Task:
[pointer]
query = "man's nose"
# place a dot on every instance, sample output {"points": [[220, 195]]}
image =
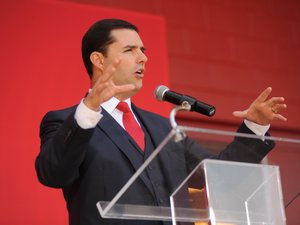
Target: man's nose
{"points": [[142, 57]]}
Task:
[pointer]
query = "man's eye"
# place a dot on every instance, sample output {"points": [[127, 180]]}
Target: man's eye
{"points": [[128, 50]]}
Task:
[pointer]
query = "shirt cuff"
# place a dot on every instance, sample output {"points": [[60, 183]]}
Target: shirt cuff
{"points": [[257, 129], [85, 117]]}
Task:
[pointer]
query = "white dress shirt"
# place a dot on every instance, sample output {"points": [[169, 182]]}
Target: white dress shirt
{"points": [[87, 118]]}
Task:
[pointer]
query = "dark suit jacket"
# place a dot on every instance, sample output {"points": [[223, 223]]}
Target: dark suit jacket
{"points": [[93, 164]]}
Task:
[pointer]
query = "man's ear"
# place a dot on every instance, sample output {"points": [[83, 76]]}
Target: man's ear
{"points": [[97, 59]]}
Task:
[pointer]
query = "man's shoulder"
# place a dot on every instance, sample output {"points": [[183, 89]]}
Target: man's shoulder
{"points": [[152, 119], [150, 114], [60, 113]]}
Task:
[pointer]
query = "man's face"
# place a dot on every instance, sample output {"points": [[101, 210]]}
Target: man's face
{"points": [[129, 48]]}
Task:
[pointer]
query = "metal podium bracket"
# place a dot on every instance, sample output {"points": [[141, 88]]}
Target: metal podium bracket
{"points": [[180, 134]]}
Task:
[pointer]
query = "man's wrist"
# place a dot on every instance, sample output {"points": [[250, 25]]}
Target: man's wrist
{"points": [[257, 129], [86, 117]]}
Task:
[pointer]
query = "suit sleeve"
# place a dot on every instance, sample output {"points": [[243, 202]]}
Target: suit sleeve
{"points": [[241, 149], [244, 149], [63, 145]]}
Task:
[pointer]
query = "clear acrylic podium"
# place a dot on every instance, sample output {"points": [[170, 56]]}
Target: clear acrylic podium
{"points": [[205, 191]]}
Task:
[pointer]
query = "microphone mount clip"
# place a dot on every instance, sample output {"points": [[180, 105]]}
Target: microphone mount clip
{"points": [[179, 132]]}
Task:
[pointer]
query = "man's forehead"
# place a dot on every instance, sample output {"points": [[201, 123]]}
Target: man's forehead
{"points": [[126, 37]]}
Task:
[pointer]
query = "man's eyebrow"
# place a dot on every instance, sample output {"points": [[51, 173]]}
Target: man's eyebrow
{"points": [[135, 46]]}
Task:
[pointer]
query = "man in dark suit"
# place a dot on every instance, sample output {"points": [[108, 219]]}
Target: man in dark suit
{"points": [[88, 152]]}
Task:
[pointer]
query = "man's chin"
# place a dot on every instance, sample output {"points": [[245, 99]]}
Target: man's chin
{"points": [[131, 93], [138, 87]]}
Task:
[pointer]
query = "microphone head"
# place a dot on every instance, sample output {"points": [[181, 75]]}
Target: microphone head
{"points": [[160, 91]]}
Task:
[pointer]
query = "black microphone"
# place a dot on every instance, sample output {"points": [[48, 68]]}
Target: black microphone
{"points": [[163, 93]]}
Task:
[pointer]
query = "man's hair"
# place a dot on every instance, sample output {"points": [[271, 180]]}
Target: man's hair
{"points": [[98, 37]]}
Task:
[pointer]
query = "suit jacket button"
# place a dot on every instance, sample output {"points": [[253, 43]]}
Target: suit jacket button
{"points": [[150, 167]]}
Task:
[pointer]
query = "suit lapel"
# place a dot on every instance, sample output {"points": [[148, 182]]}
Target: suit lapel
{"points": [[119, 136], [156, 136], [124, 142]]}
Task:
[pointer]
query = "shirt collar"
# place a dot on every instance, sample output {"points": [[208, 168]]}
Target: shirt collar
{"points": [[112, 103]]}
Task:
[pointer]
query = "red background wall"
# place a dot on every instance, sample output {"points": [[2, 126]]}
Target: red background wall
{"points": [[42, 70], [223, 52]]}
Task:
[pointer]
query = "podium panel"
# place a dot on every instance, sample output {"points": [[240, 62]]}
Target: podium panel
{"points": [[233, 193], [204, 176]]}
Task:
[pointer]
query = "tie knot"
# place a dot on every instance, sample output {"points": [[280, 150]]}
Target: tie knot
{"points": [[123, 106]]}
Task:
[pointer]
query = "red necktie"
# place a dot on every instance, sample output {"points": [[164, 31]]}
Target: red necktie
{"points": [[131, 125]]}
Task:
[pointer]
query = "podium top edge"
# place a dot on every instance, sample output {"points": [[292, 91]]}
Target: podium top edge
{"points": [[237, 134]]}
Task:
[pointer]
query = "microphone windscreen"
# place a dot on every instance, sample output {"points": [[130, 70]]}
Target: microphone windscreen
{"points": [[160, 91]]}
